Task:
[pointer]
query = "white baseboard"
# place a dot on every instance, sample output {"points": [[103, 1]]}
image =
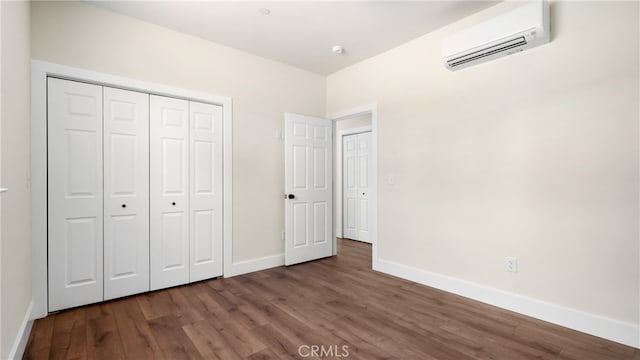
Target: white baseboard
{"points": [[17, 350], [248, 266], [610, 329]]}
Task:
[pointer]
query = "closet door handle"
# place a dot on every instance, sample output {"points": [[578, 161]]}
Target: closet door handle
{"points": [[173, 203], [124, 205]]}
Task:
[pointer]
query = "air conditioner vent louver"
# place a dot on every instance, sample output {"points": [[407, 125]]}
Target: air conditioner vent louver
{"points": [[523, 28], [504, 46]]}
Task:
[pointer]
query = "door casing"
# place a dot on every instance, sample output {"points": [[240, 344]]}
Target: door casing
{"points": [[371, 109]]}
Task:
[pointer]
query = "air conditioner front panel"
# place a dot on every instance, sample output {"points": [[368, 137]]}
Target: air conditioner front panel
{"points": [[509, 33], [485, 52]]}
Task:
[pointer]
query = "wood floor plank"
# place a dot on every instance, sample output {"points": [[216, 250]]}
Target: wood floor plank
{"points": [[62, 332], [103, 338], [240, 310], [137, 340], [155, 304], [284, 347], [356, 344], [181, 307], [333, 302], [78, 339], [39, 344], [171, 338], [265, 354], [232, 330], [209, 342]]}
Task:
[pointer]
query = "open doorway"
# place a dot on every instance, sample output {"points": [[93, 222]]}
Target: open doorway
{"points": [[355, 175]]}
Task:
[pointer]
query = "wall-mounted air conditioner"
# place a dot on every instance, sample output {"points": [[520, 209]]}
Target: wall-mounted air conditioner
{"points": [[522, 28]]}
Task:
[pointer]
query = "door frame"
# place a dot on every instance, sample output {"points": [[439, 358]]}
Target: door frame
{"points": [[40, 71], [372, 109], [340, 180]]}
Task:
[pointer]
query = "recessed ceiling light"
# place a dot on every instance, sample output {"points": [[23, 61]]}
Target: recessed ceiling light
{"points": [[264, 11], [337, 49]]}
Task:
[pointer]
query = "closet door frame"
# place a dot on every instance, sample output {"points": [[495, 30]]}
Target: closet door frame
{"points": [[40, 72]]}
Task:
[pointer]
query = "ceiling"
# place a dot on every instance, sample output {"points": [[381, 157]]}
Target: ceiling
{"points": [[302, 33]]}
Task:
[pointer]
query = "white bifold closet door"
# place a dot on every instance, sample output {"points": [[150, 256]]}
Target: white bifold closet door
{"points": [[126, 193], [75, 220], [205, 191], [356, 176], [186, 191], [169, 191], [134, 192]]}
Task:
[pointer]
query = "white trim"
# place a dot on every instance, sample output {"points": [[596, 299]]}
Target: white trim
{"points": [[352, 131], [227, 184], [249, 266], [614, 330], [372, 109], [20, 343], [39, 189], [40, 70]]}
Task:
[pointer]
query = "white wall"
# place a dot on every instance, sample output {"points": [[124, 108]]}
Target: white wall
{"points": [[358, 121], [15, 248], [84, 36], [535, 155]]}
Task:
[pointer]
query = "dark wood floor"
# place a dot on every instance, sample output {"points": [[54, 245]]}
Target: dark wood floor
{"points": [[332, 303]]}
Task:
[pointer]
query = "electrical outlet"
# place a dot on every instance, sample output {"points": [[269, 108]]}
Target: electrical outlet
{"points": [[511, 264]]}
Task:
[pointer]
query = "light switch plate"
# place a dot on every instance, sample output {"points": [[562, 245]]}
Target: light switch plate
{"points": [[391, 179]]}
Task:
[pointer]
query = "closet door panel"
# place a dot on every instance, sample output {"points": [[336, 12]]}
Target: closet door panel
{"points": [[75, 204], [205, 191], [126, 192], [169, 187]]}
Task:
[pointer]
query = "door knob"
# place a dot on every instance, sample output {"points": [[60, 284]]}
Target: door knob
{"points": [[173, 203], [362, 193], [124, 205], [291, 196]]}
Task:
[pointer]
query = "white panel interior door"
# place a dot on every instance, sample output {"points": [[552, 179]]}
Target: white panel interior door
{"points": [[169, 192], [308, 179], [75, 216], [205, 191], [126, 193], [350, 186], [356, 179], [364, 180]]}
